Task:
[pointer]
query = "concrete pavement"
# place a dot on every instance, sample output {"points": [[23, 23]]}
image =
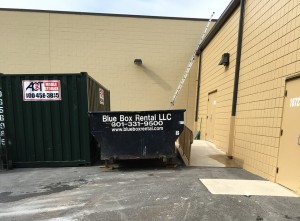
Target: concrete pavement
{"points": [[204, 153]]}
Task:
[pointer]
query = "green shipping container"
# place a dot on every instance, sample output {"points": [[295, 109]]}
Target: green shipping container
{"points": [[44, 120]]}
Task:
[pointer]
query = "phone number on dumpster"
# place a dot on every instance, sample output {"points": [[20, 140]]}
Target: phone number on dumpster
{"points": [[136, 122]]}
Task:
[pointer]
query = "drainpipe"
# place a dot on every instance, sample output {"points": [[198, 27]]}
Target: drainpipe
{"points": [[236, 78], [198, 86]]}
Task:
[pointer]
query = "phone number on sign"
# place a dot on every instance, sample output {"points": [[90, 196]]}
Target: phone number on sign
{"points": [[42, 95], [137, 124]]}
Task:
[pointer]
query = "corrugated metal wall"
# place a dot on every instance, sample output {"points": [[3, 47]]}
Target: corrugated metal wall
{"points": [[94, 92], [4, 164], [49, 133]]}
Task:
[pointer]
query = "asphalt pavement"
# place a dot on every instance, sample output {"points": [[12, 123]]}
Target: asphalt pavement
{"points": [[133, 193]]}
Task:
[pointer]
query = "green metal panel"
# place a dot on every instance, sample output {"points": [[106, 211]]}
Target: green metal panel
{"points": [[95, 102], [50, 133], [4, 163]]}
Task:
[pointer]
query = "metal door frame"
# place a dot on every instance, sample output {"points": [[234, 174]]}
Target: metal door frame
{"points": [[288, 79], [211, 92]]}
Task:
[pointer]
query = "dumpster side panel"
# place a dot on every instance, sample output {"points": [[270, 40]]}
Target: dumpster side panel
{"points": [[98, 96], [98, 100], [47, 133], [83, 116], [107, 98], [137, 135]]}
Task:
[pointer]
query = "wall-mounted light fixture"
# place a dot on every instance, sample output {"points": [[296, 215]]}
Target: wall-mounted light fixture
{"points": [[138, 61], [225, 59]]}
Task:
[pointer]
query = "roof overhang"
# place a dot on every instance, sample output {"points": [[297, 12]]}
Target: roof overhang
{"points": [[219, 24]]}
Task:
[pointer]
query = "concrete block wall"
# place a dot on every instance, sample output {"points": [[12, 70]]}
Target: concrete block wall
{"points": [[105, 47], [186, 99], [220, 78], [24, 42], [270, 53]]}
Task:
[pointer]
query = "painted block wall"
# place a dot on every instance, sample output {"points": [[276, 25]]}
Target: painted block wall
{"points": [[270, 53], [186, 99], [105, 47], [220, 78]]}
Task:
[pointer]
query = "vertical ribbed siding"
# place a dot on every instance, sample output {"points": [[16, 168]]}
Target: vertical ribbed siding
{"points": [[48, 133], [93, 94]]}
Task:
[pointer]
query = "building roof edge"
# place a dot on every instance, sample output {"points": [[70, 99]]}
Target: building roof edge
{"points": [[218, 25], [103, 14]]}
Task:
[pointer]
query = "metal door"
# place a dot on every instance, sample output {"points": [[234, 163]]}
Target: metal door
{"points": [[289, 150], [211, 110]]}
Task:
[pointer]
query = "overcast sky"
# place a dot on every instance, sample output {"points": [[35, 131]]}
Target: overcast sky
{"points": [[170, 8]]}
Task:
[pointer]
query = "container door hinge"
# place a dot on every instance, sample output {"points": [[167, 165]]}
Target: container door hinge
{"points": [[281, 132], [285, 93], [277, 169], [206, 117]]}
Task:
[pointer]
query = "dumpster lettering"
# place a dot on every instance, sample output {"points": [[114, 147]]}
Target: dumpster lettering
{"points": [[41, 90], [125, 118], [165, 117], [137, 118], [145, 118], [136, 121], [106, 118], [137, 124], [132, 129]]}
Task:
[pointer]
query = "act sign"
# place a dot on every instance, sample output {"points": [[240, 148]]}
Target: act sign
{"points": [[41, 90]]}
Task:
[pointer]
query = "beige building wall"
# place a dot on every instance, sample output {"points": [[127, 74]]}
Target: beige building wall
{"points": [[186, 99], [220, 78], [105, 47], [270, 53]]}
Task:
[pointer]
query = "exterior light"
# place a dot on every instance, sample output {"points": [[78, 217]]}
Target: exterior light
{"points": [[225, 59], [138, 61]]}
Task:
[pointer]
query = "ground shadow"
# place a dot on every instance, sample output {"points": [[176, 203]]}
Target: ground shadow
{"points": [[227, 162], [144, 164]]}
